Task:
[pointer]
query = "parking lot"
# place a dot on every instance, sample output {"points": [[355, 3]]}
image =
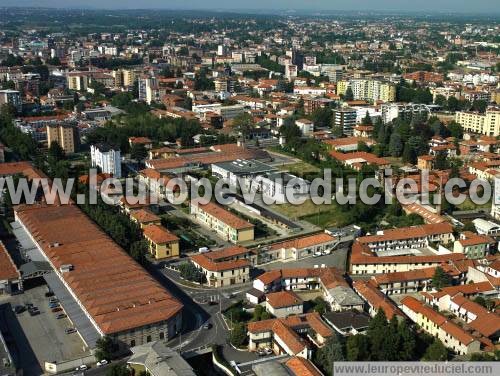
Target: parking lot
{"points": [[337, 259], [44, 332]]}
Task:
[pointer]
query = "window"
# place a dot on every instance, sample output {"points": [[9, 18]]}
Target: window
{"points": [[132, 343], [148, 339]]}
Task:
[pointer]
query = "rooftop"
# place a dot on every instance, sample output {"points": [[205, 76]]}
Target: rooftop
{"points": [[116, 292]]}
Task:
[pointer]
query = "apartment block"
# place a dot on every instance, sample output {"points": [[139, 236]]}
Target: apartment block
{"points": [[451, 335], [474, 122], [66, 135], [226, 224], [107, 159], [224, 267], [162, 243], [345, 118], [12, 97]]}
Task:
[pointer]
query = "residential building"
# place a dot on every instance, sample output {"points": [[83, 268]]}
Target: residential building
{"points": [[348, 322], [12, 97], [376, 300], [119, 298], [66, 135], [475, 122], [225, 267], [298, 248], [451, 335], [288, 335], [474, 246], [403, 249], [330, 281], [107, 158], [144, 217], [284, 303], [226, 224], [347, 144], [356, 160], [162, 243], [345, 119], [306, 126]]}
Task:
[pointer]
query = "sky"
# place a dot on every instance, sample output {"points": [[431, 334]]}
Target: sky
{"points": [[459, 6]]}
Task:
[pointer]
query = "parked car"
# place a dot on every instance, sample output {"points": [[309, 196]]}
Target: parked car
{"points": [[102, 363], [260, 352], [33, 311], [19, 309], [207, 326], [268, 351], [317, 254], [83, 367], [48, 294], [61, 316], [56, 309], [70, 330], [53, 300]]}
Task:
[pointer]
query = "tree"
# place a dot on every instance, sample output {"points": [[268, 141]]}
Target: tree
{"points": [[238, 334], [118, 370], [191, 273], [55, 151], [440, 278], [358, 348], [395, 145], [138, 152], [441, 161], [456, 130], [332, 351], [362, 146], [367, 120], [104, 348], [436, 352], [320, 305], [138, 251], [407, 344], [257, 313], [349, 95], [244, 124], [322, 117]]}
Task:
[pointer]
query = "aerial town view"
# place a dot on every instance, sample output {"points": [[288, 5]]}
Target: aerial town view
{"points": [[285, 188]]}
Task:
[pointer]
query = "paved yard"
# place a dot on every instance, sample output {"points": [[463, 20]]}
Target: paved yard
{"points": [[44, 333], [337, 259]]}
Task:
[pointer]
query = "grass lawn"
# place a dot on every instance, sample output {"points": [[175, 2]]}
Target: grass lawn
{"points": [[320, 215], [299, 168], [469, 205]]}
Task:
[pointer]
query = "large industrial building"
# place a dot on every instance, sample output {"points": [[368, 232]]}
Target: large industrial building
{"points": [[119, 298]]}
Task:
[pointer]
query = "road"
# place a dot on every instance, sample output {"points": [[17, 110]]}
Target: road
{"points": [[199, 311]]}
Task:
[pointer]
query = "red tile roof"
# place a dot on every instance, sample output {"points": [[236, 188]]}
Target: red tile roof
{"points": [[225, 216], [370, 293], [206, 263], [144, 216], [304, 241], [117, 292], [8, 270], [302, 367], [282, 299], [159, 234]]}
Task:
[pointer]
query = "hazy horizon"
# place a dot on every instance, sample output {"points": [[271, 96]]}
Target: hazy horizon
{"points": [[458, 6]]}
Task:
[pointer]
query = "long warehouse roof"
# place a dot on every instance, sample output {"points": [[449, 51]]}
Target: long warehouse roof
{"points": [[116, 291]]}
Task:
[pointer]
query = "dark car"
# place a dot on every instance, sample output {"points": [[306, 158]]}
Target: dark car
{"points": [[70, 330], [207, 326], [33, 311], [61, 316], [48, 294], [19, 309], [57, 309]]}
